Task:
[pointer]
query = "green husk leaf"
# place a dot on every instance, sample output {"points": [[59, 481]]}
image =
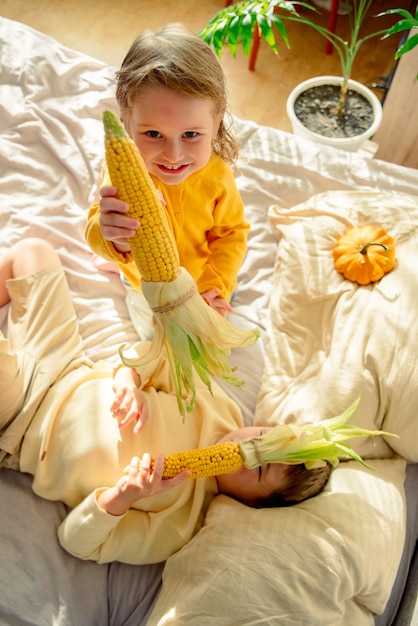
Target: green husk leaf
{"points": [[308, 443], [181, 364]]}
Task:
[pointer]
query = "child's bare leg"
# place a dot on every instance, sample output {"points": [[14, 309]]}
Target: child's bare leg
{"points": [[28, 256], [42, 330]]}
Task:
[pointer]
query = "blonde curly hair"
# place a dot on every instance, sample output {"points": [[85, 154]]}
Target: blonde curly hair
{"points": [[176, 58]]}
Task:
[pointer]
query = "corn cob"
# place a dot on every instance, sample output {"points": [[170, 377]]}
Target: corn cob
{"points": [[193, 334], [220, 458], [311, 444], [153, 248]]}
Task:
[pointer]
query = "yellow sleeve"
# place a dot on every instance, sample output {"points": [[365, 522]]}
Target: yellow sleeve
{"points": [[227, 239], [138, 537], [227, 243]]}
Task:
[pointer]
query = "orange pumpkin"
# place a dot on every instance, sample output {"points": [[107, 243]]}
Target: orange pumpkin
{"points": [[364, 254]]}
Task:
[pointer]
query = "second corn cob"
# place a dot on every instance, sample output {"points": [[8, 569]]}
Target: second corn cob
{"points": [[215, 460], [311, 444]]}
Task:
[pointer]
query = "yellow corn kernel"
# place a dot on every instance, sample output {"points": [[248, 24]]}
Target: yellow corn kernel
{"points": [[153, 247], [221, 458]]}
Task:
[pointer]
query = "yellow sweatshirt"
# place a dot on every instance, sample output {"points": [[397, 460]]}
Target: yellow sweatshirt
{"points": [[73, 447], [207, 217]]}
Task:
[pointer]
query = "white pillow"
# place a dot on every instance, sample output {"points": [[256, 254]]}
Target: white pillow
{"points": [[331, 340], [330, 560]]}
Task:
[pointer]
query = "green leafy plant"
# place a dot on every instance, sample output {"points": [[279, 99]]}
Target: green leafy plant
{"points": [[406, 23], [236, 24]]}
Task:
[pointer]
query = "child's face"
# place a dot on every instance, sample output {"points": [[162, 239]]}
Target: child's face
{"points": [[248, 485], [174, 133]]}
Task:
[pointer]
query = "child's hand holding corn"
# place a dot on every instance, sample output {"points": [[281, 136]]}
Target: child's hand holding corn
{"points": [[115, 225], [139, 482]]}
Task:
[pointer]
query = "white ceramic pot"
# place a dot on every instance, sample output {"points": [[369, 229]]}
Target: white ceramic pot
{"points": [[345, 143]]}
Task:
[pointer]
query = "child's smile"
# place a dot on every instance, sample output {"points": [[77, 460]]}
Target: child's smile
{"points": [[173, 132]]}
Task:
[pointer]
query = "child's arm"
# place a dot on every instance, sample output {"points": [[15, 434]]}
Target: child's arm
{"points": [[227, 238], [91, 532], [138, 483], [129, 402]]}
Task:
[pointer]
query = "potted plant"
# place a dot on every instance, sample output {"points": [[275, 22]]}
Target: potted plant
{"points": [[236, 25]]}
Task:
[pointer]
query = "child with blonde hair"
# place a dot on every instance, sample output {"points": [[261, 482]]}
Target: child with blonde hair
{"points": [[172, 96]]}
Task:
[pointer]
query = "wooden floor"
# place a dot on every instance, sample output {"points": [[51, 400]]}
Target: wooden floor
{"points": [[105, 29]]}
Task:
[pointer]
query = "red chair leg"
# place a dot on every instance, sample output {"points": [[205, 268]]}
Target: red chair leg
{"points": [[254, 50], [255, 44], [332, 24]]}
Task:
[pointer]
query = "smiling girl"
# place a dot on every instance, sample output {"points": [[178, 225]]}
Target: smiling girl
{"points": [[171, 92]]}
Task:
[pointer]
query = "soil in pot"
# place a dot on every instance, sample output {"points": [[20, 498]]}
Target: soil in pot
{"points": [[315, 108]]}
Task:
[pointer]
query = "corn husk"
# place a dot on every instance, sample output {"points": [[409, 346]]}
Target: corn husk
{"points": [[194, 336], [311, 444]]}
